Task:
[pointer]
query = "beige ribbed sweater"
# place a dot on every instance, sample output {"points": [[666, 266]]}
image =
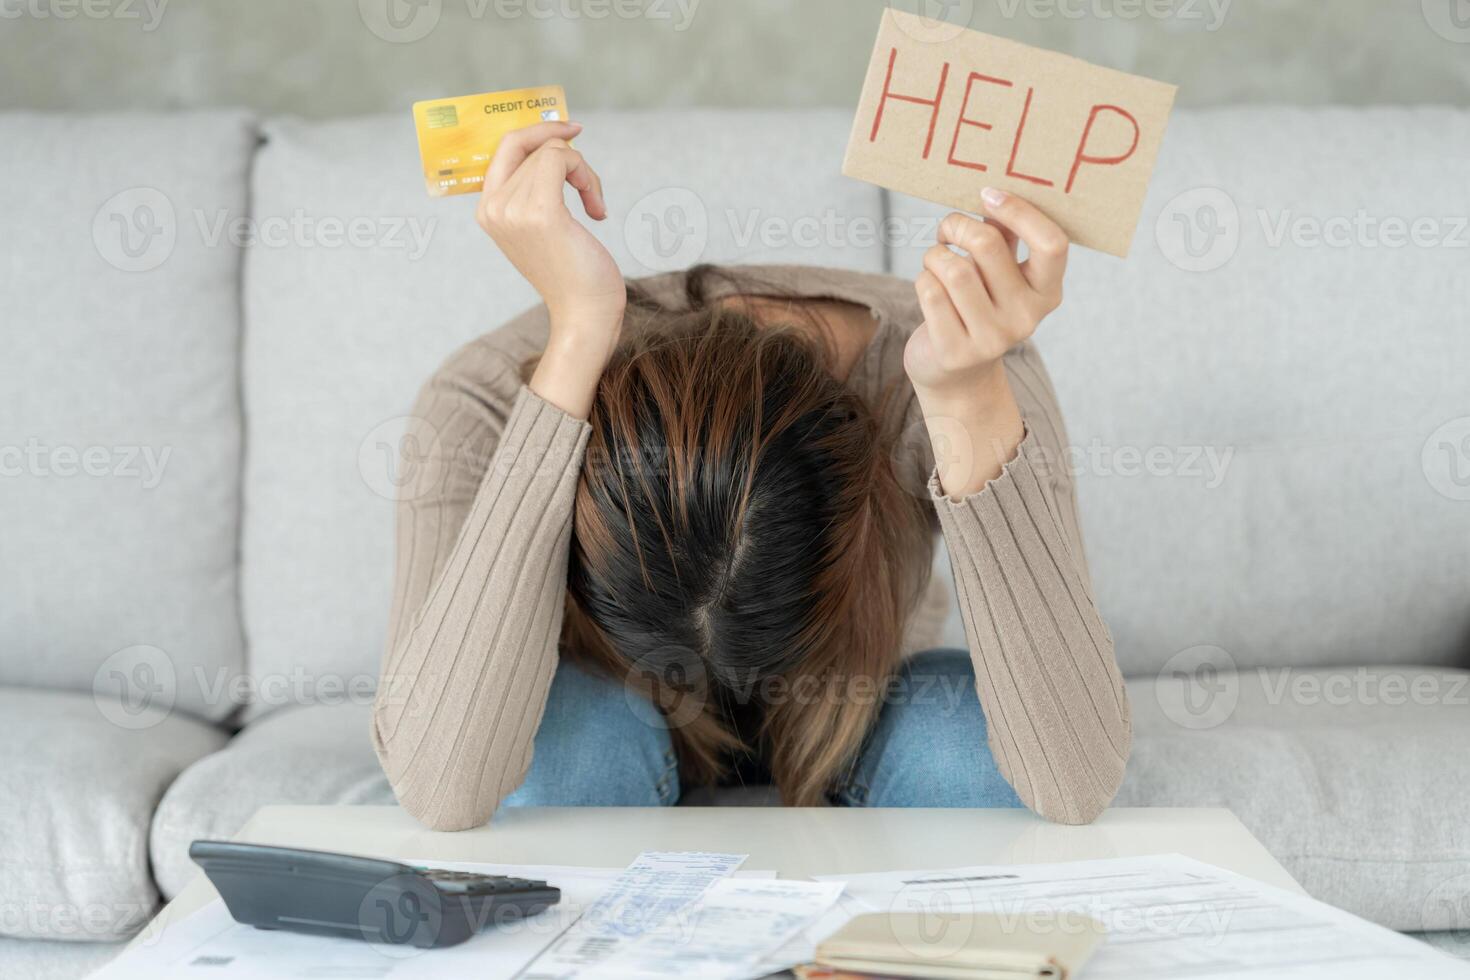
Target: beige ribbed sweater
{"points": [[483, 532]]}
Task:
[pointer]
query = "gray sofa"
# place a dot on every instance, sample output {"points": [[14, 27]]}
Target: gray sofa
{"points": [[214, 326]]}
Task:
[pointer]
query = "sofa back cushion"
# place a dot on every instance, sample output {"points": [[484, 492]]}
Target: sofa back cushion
{"points": [[360, 285], [1270, 399], [119, 404]]}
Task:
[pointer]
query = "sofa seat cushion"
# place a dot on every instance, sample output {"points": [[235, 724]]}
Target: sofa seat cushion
{"points": [[78, 784], [316, 754], [1354, 778]]}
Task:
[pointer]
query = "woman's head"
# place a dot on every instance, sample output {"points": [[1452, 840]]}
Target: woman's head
{"points": [[740, 543]]}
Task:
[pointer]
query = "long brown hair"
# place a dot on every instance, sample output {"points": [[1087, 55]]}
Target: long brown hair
{"points": [[743, 553]]}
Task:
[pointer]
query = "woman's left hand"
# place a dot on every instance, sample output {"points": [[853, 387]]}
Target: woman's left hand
{"points": [[979, 305]]}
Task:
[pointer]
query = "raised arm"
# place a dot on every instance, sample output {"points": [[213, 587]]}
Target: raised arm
{"points": [[1057, 711], [485, 520]]}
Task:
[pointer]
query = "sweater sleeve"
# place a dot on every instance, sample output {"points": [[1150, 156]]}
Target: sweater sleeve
{"points": [[484, 522], [1055, 704]]}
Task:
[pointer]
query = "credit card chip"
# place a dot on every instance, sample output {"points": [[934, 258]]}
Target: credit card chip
{"points": [[441, 116]]}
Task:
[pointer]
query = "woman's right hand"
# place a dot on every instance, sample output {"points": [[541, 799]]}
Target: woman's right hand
{"points": [[522, 209]]}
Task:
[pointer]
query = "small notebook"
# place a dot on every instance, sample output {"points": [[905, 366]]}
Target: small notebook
{"points": [[967, 946]]}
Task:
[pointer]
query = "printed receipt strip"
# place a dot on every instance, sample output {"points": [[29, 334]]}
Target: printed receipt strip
{"points": [[654, 887]]}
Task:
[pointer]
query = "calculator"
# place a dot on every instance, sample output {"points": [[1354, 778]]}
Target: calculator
{"points": [[326, 894]]}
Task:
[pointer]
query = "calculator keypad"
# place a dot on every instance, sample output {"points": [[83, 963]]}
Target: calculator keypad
{"points": [[482, 884]]}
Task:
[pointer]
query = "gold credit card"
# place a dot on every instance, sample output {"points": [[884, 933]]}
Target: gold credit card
{"points": [[458, 137]]}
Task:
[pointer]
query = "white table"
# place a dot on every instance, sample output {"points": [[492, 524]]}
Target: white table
{"points": [[795, 842]]}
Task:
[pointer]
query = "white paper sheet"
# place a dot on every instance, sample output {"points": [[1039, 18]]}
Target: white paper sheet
{"points": [[727, 932], [1168, 917]]}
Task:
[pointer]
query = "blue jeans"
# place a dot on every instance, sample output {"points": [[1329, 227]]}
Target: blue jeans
{"points": [[599, 745]]}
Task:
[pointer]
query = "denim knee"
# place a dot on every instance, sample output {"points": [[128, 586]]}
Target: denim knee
{"points": [[599, 745], [929, 747]]}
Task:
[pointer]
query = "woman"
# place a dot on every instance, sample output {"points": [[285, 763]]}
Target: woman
{"points": [[676, 533]]}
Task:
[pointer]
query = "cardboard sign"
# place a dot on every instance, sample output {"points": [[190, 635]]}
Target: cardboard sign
{"points": [[943, 119]]}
